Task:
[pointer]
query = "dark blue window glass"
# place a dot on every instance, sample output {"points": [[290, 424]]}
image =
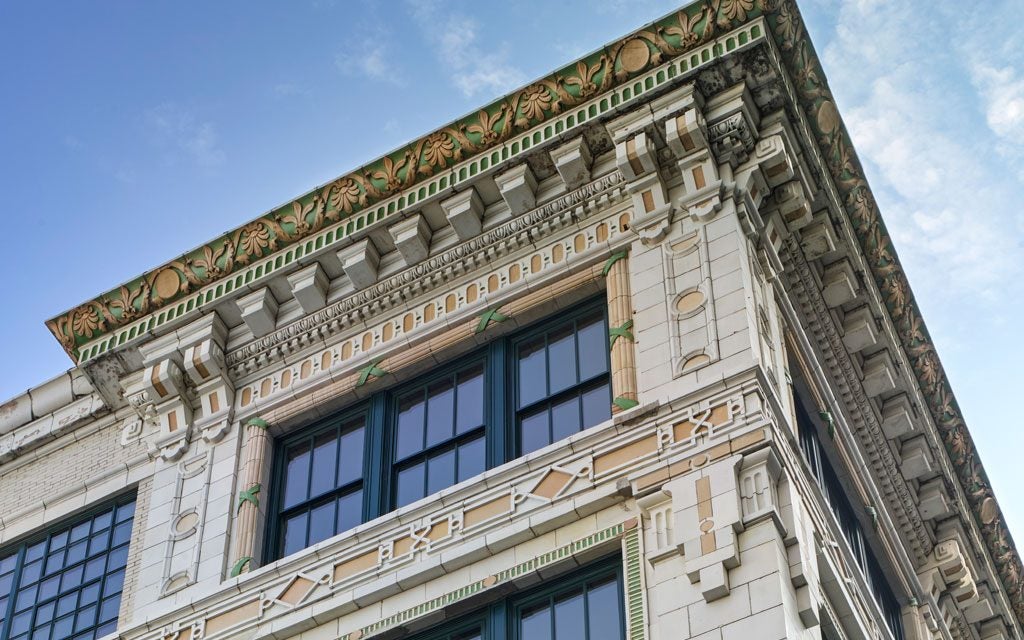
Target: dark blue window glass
{"points": [[322, 492], [56, 588]]}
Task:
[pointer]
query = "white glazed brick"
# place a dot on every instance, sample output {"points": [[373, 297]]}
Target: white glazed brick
{"points": [[705, 616]]}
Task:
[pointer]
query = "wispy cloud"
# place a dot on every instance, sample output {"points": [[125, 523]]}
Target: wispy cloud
{"points": [[474, 69], [943, 195], [370, 55], [181, 133]]}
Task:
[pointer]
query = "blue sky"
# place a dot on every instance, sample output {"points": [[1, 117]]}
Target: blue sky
{"points": [[130, 132]]}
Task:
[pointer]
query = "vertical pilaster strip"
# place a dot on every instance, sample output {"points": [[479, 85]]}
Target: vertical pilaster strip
{"points": [[247, 511], [620, 323]]}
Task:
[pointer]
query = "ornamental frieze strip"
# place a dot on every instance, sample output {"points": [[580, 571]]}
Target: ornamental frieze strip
{"points": [[854, 195], [537, 115], [547, 490]]}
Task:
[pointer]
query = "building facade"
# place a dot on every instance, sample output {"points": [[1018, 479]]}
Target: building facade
{"points": [[625, 354]]}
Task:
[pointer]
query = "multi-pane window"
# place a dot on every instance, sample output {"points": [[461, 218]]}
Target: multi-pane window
{"points": [[514, 396], [849, 525], [590, 611], [562, 381], [588, 606], [322, 488], [68, 583], [439, 434]]}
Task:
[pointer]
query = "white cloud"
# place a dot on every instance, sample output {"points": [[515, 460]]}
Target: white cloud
{"points": [[943, 195], [1003, 91], [370, 55], [474, 69], [178, 129]]}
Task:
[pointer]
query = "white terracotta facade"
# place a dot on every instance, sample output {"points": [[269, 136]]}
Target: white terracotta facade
{"points": [[739, 294]]}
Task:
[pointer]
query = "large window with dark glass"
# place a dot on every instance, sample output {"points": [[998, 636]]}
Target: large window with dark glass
{"points": [[515, 395], [585, 606], [67, 583], [321, 490], [562, 381], [846, 517]]}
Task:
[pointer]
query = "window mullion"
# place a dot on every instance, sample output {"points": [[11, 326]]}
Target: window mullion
{"points": [[15, 583], [498, 623], [498, 429], [377, 458]]}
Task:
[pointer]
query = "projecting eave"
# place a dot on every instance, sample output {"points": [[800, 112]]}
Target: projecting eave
{"points": [[439, 165]]}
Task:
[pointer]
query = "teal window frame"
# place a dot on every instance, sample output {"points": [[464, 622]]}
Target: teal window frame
{"points": [[500, 620], [54, 545], [380, 412]]}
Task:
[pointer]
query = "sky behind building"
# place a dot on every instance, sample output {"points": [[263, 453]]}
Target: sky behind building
{"points": [[131, 132]]}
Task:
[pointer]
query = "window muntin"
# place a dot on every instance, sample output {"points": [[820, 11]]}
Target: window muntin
{"points": [[67, 584], [442, 429], [850, 527], [589, 611], [322, 484], [562, 381], [439, 434], [587, 605]]}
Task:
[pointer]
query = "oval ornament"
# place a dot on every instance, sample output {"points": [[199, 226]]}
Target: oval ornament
{"points": [[828, 117], [635, 55], [166, 283]]}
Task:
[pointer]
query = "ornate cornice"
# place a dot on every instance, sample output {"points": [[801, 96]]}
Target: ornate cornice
{"points": [[431, 160], [435, 161], [847, 174], [427, 275], [884, 465]]}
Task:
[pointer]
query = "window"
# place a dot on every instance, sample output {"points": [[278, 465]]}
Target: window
{"points": [[514, 396], [439, 434], [586, 606], [67, 584], [562, 381], [322, 489], [849, 525]]}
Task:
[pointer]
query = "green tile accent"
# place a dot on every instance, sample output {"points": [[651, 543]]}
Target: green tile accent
{"points": [[239, 567], [249, 495], [615, 257], [636, 616], [623, 331], [370, 370], [625, 403], [491, 315], [257, 422]]}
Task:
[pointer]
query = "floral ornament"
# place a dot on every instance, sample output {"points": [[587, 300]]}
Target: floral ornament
{"points": [[536, 100], [737, 9], [85, 321], [254, 239], [346, 194], [438, 149]]}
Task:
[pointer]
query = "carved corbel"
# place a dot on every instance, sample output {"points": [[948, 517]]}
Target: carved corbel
{"points": [[572, 161], [949, 579], [636, 157], [687, 136], [165, 384], [204, 363], [518, 188]]}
